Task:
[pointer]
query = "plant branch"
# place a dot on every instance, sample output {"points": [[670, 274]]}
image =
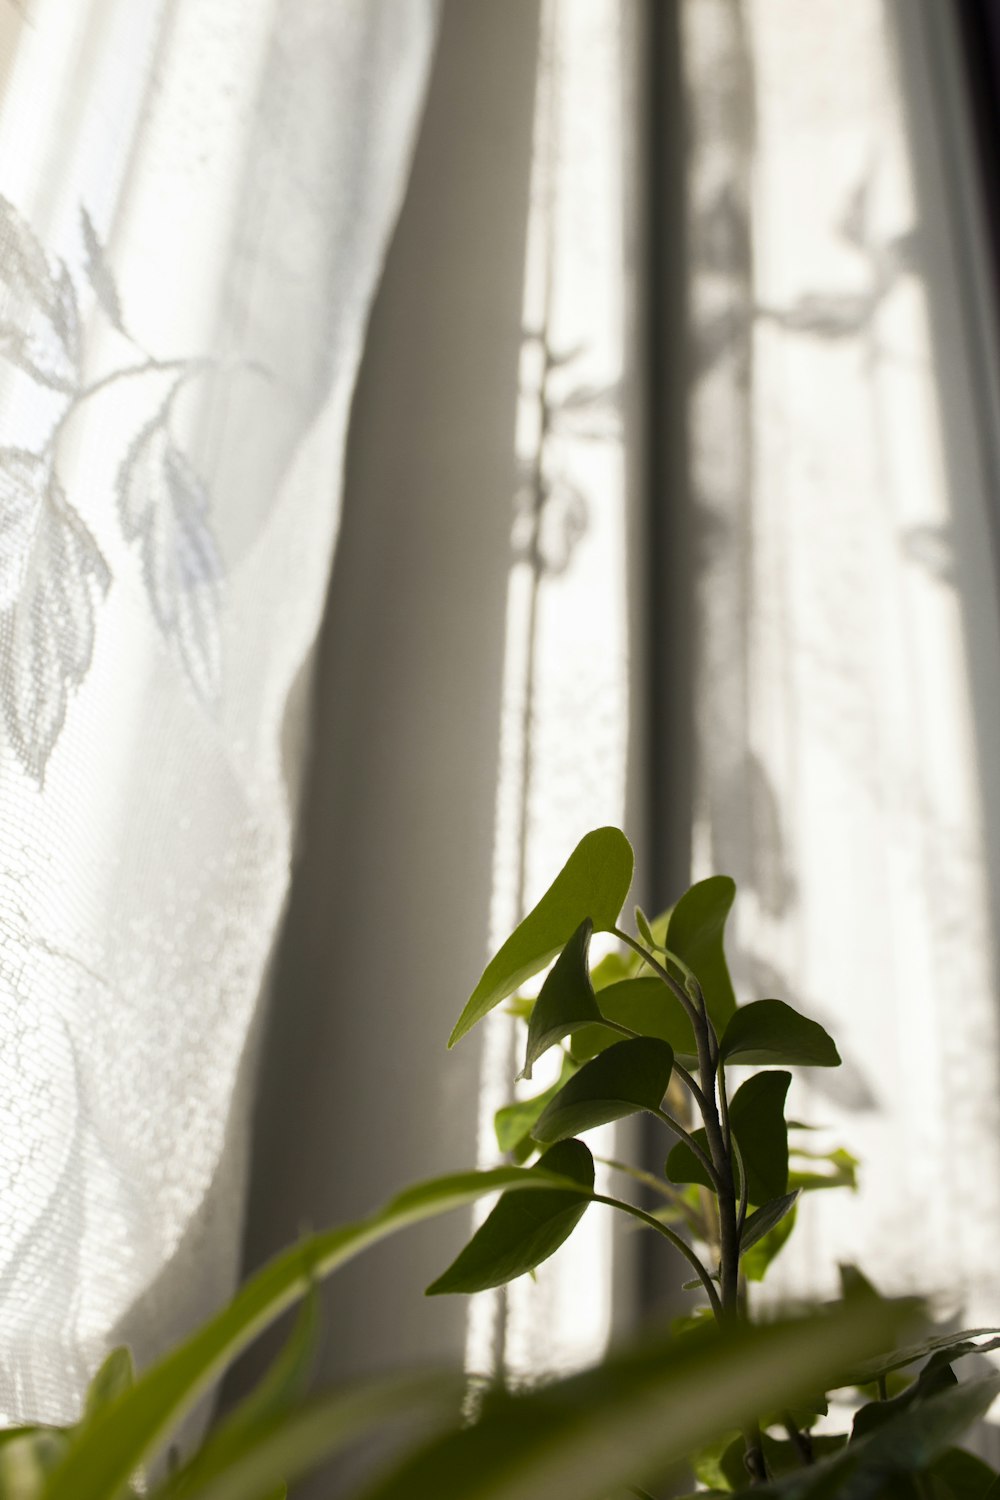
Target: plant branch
{"points": [[668, 979], [689, 1140], [675, 1239]]}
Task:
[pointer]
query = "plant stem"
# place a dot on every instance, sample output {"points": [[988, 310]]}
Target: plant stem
{"points": [[689, 1140], [668, 979], [801, 1440], [675, 1239]]}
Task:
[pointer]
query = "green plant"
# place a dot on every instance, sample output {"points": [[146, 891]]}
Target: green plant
{"points": [[660, 1026], [706, 1393]]}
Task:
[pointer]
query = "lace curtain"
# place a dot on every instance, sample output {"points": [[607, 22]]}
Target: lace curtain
{"points": [[195, 196]]}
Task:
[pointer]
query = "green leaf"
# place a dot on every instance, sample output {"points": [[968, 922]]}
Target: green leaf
{"points": [[645, 1006], [757, 1119], [518, 1235], [951, 1345], [246, 1463], [765, 1219], [630, 1076], [644, 930], [27, 1459], [906, 1445], [566, 1001], [769, 1031], [781, 1455], [957, 1475], [695, 933], [754, 1263], [631, 1418], [936, 1376], [115, 1376], [514, 1123], [592, 884], [120, 1438], [284, 1383]]}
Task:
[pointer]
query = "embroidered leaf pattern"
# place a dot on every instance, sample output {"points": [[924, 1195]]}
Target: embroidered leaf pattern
{"points": [[39, 318], [100, 274], [163, 505], [52, 570], [23, 477]]}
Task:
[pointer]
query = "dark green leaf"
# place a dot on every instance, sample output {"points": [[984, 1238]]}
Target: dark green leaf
{"points": [[511, 1241], [645, 1006], [781, 1454], [106, 1451], [957, 1475], [514, 1123], [906, 1445], [756, 1261], [769, 1031], [936, 1376], [695, 933], [757, 1119], [592, 884], [952, 1345], [629, 1419], [246, 1463], [115, 1376], [854, 1283], [566, 1000], [765, 1219], [630, 1076]]}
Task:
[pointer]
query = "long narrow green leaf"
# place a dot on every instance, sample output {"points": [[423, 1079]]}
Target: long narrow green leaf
{"points": [[632, 1417], [124, 1435], [593, 883], [248, 1462]]}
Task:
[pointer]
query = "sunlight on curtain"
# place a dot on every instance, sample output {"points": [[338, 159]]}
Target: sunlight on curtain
{"points": [[195, 196], [847, 605], [564, 730]]}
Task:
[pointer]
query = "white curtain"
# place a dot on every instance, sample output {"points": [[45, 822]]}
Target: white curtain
{"points": [[843, 423], [195, 196]]}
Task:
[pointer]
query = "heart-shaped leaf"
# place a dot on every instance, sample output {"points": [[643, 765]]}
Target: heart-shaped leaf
{"points": [[769, 1031], [645, 1006], [630, 1076], [757, 1118], [510, 1242], [593, 883], [566, 1001], [695, 933], [765, 1219]]}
